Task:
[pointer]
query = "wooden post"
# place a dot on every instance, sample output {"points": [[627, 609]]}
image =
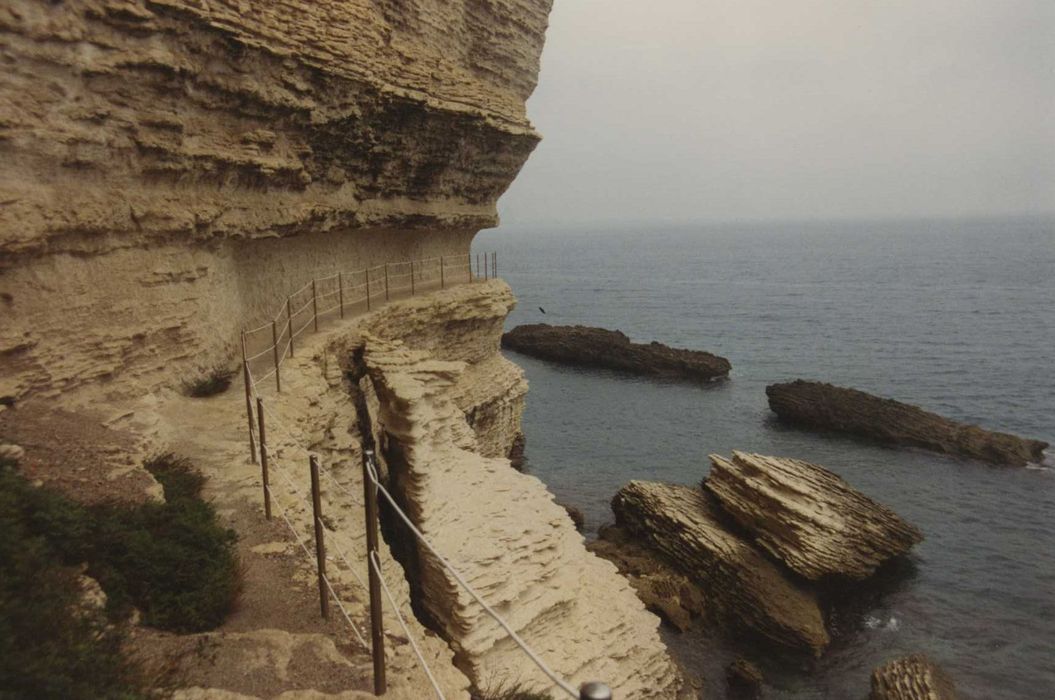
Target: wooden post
{"points": [[274, 352], [248, 400], [411, 278], [386, 281], [377, 631], [263, 457], [368, 289], [320, 542], [441, 272], [289, 322], [340, 291], [315, 304]]}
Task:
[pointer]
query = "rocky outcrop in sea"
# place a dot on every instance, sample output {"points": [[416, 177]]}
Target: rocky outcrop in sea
{"points": [[822, 406], [584, 346], [913, 677]]}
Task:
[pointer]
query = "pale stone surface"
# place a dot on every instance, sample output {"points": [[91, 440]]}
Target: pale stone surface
{"points": [[808, 517], [746, 590], [503, 532], [913, 677]]}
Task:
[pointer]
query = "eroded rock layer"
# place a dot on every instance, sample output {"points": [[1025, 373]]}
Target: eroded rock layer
{"points": [[807, 517], [913, 677], [747, 589], [598, 347], [827, 407], [503, 532]]}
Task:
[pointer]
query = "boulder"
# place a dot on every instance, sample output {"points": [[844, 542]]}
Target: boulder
{"points": [[748, 591], [913, 677], [744, 680], [807, 517], [597, 347], [827, 407]]}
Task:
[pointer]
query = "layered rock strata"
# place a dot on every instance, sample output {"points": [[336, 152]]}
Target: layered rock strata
{"points": [[597, 347], [807, 517], [185, 165], [913, 677], [827, 407], [748, 591], [503, 532]]}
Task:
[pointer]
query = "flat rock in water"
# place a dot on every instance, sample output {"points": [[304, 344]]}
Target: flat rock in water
{"points": [[597, 347], [747, 589], [913, 677], [807, 517], [828, 407]]}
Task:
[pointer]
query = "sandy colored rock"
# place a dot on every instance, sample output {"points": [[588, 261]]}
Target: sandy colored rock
{"points": [[826, 407], [913, 677], [504, 533], [598, 347], [807, 517], [747, 590]]}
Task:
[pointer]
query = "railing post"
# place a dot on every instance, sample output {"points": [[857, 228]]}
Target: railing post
{"points": [[320, 542], [377, 631], [289, 323], [315, 304], [263, 457], [248, 400], [441, 273], [411, 278], [469, 265], [595, 691], [485, 265], [368, 289], [274, 352], [340, 291], [477, 266], [494, 264]]}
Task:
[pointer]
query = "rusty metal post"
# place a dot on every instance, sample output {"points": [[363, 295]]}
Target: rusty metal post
{"points": [[411, 278], [248, 400], [274, 352], [289, 323], [386, 281], [263, 457], [320, 542], [441, 273], [377, 631], [485, 265], [340, 291], [469, 265], [477, 266]]}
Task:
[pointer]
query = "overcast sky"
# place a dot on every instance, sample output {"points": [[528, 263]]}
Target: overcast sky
{"points": [[705, 110]]}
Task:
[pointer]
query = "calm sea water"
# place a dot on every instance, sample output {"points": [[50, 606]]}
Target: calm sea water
{"points": [[955, 316]]}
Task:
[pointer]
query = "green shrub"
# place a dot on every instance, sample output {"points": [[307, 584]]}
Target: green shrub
{"points": [[215, 381]]}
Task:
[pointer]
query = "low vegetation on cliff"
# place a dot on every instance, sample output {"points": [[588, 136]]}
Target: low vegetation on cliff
{"points": [[171, 561]]}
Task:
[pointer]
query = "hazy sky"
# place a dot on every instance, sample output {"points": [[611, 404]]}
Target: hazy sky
{"points": [[684, 110]]}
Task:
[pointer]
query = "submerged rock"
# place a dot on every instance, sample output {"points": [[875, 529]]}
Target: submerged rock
{"points": [[913, 677], [747, 590], [598, 347], [807, 517], [828, 407]]}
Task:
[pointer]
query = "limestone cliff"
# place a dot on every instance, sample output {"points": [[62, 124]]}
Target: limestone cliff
{"points": [[173, 168]]}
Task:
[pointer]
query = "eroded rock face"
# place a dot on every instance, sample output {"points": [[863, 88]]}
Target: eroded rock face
{"points": [[597, 347], [749, 591], [807, 517], [827, 407], [185, 165], [913, 677]]}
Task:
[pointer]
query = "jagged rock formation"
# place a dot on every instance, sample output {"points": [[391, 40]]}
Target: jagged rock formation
{"points": [[502, 530], [807, 517], [827, 407], [597, 347], [744, 680], [747, 590], [185, 165], [913, 677]]}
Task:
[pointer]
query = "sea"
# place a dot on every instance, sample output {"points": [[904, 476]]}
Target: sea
{"points": [[955, 316]]}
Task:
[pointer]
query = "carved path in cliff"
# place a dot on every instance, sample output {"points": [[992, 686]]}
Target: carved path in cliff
{"points": [[827, 407], [597, 347]]}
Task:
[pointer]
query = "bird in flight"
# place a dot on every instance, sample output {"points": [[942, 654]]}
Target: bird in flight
{"points": [[541, 309]]}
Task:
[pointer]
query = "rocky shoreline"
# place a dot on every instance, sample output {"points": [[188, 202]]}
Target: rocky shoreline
{"points": [[584, 346], [820, 406]]}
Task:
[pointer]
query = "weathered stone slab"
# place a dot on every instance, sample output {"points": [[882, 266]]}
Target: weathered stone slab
{"points": [[913, 677]]}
